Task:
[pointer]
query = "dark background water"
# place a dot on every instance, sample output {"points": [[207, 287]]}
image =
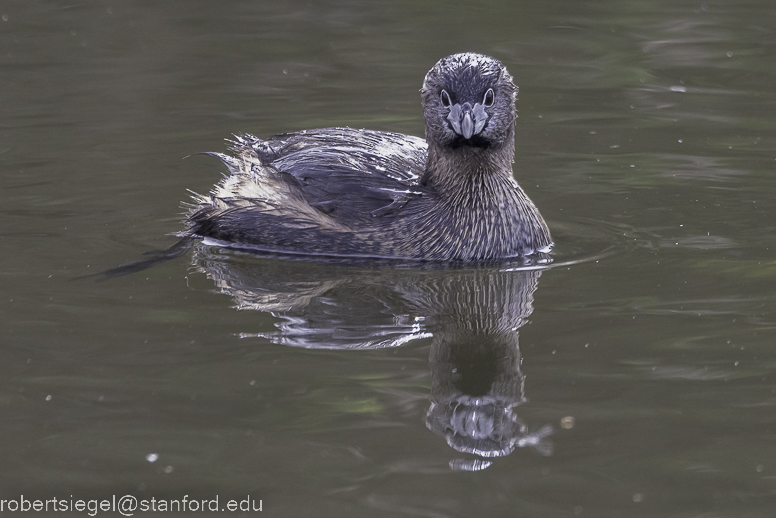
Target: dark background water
{"points": [[643, 383]]}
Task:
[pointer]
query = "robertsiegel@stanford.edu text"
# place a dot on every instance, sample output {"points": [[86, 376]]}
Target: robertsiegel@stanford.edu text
{"points": [[128, 505]]}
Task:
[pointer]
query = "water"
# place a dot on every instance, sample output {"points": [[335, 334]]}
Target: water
{"points": [[635, 378]]}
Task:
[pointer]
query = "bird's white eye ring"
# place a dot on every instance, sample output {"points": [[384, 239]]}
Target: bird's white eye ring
{"points": [[445, 98], [489, 98]]}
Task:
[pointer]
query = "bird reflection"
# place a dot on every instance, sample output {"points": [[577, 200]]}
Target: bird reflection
{"points": [[472, 317]]}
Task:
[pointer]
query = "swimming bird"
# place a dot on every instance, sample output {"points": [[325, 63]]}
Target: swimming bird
{"points": [[342, 192]]}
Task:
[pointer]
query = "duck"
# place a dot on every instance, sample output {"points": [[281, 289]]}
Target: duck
{"points": [[359, 193]]}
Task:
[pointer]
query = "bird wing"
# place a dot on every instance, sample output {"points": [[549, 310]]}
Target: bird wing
{"points": [[351, 176]]}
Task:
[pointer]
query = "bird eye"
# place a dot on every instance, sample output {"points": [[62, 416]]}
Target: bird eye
{"points": [[445, 99], [488, 99]]}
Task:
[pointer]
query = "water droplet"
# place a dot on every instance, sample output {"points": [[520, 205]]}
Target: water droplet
{"points": [[48, 398], [638, 497], [730, 54], [152, 457]]}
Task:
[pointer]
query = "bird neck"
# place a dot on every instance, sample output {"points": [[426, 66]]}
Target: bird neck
{"points": [[468, 173]]}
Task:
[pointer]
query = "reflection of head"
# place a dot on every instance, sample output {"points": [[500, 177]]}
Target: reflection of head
{"points": [[476, 383]]}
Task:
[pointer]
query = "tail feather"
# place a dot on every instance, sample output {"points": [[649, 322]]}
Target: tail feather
{"points": [[231, 163], [176, 250]]}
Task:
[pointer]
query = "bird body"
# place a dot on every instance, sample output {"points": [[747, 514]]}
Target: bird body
{"points": [[345, 192]]}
